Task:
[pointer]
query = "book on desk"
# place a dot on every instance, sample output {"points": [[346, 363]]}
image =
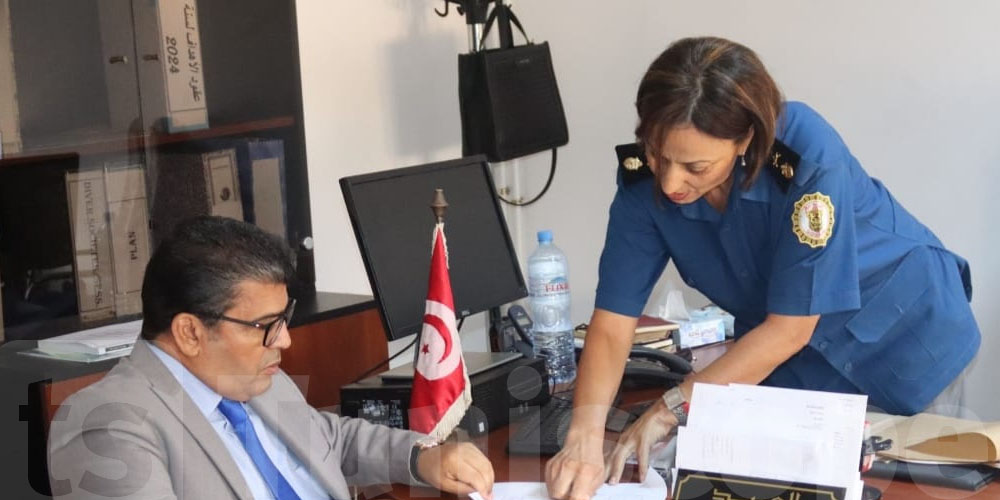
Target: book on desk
{"points": [[650, 331]]}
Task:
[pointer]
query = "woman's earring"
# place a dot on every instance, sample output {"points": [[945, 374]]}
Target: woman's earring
{"points": [[743, 161]]}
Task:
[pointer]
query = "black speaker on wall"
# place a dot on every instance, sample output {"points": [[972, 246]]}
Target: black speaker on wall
{"points": [[509, 102]]}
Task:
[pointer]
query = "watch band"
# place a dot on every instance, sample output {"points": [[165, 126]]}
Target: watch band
{"points": [[674, 399], [419, 446]]}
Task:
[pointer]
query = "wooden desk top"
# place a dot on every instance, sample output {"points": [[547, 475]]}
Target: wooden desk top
{"points": [[527, 468]]}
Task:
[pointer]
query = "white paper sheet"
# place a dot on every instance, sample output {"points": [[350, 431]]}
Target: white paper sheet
{"points": [[653, 488], [766, 432]]}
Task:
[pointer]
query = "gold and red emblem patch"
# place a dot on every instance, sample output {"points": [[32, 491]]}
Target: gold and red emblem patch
{"points": [[812, 219]]}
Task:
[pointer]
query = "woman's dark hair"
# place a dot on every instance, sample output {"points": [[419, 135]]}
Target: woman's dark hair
{"points": [[719, 87], [198, 267]]}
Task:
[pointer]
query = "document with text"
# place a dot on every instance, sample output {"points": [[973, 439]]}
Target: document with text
{"points": [[653, 488], [795, 436]]}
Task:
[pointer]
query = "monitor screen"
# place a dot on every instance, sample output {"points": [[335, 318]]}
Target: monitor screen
{"points": [[393, 223]]}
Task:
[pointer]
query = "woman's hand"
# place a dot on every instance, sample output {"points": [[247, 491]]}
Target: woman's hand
{"points": [[577, 470], [457, 468], [654, 425]]}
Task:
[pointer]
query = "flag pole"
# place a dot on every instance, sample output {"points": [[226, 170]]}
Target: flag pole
{"points": [[439, 205]]}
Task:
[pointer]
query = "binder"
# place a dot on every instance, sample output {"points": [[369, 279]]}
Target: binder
{"points": [[10, 133], [697, 485], [130, 246], [969, 477], [88, 211], [223, 183], [265, 188]]}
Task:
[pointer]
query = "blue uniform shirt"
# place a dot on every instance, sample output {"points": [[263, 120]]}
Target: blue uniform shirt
{"points": [[895, 321]]}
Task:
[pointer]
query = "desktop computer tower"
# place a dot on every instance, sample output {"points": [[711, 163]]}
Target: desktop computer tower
{"points": [[498, 395]]}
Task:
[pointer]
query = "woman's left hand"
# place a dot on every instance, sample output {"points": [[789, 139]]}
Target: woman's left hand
{"points": [[654, 425]]}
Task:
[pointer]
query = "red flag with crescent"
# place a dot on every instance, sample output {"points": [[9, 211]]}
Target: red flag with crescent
{"points": [[441, 390]]}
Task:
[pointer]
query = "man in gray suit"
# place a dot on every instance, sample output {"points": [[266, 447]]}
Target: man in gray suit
{"points": [[200, 409]]}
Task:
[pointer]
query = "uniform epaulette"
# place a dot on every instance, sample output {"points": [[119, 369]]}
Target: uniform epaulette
{"points": [[632, 163], [782, 162]]}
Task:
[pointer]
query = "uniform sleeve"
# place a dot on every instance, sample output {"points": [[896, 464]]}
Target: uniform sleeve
{"points": [[634, 255], [815, 266]]}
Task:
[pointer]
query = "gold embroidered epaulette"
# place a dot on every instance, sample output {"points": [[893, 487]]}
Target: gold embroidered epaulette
{"points": [[782, 162], [632, 163]]}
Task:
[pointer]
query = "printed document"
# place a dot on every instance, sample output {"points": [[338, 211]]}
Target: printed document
{"points": [[653, 488], [787, 435]]}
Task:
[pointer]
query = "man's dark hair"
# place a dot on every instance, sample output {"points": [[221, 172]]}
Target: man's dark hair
{"points": [[717, 86], [198, 267]]}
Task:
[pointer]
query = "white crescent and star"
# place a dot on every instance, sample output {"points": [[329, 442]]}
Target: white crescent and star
{"points": [[439, 340]]}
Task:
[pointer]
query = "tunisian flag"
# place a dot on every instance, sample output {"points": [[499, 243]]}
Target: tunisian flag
{"points": [[441, 382]]}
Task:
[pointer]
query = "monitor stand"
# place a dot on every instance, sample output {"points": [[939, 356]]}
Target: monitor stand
{"points": [[476, 362]]}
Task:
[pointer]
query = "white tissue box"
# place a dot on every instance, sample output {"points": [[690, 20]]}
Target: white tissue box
{"points": [[696, 332], [712, 311]]}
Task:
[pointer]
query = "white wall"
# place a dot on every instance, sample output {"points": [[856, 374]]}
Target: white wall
{"points": [[913, 87], [379, 91]]}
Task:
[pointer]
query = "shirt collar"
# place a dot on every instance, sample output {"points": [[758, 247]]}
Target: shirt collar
{"points": [[203, 396], [701, 210], [759, 190]]}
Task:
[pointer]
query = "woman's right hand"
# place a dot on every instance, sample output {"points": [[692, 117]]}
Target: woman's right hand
{"points": [[577, 470]]}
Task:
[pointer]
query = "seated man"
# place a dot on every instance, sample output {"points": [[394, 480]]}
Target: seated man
{"points": [[201, 409]]}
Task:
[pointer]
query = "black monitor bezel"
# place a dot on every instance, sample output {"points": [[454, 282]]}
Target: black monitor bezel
{"points": [[347, 184]]}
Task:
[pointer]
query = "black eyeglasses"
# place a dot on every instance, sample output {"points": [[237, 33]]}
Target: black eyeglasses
{"points": [[271, 328]]}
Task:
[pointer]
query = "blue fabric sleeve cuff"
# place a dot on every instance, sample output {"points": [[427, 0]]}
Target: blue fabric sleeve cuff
{"points": [[845, 300], [618, 305]]}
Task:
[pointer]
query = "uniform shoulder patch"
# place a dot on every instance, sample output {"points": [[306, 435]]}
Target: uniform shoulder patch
{"points": [[632, 162], [812, 219]]}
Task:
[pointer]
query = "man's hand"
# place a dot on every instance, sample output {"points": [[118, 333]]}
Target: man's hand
{"points": [[458, 468], [654, 425], [577, 470]]}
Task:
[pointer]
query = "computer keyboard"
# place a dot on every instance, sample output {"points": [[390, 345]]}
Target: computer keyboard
{"points": [[543, 431]]}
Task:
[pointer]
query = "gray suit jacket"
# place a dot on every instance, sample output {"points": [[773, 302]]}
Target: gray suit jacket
{"points": [[137, 434]]}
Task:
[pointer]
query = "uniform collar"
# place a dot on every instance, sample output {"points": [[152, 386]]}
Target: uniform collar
{"points": [[699, 210], [758, 191]]}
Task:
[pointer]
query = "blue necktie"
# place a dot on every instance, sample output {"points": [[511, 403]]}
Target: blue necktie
{"points": [[237, 416]]}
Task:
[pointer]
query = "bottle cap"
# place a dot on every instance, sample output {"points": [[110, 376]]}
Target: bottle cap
{"points": [[545, 236]]}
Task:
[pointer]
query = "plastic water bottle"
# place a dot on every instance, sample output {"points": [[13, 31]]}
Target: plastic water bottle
{"points": [[548, 286]]}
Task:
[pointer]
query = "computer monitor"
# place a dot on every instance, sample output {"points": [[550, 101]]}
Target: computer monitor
{"points": [[393, 223]]}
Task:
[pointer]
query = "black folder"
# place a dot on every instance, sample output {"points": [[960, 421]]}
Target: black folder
{"points": [[964, 477]]}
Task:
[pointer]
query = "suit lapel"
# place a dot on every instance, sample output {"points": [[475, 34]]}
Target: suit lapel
{"points": [[166, 387]]}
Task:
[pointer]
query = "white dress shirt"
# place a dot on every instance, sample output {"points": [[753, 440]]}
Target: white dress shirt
{"points": [[207, 401]]}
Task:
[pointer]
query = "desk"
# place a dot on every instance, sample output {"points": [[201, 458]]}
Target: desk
{"points": [[524, 468], [521, 468]]}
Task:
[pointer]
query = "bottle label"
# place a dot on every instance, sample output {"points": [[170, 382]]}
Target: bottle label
{"points": [[543, 286]]}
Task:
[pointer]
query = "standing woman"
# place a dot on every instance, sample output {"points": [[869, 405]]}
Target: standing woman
{"points": [[763, 209]]}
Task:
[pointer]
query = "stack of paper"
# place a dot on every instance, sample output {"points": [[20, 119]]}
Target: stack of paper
{"points": [[653, 488], [96, 344], [789, 436]]}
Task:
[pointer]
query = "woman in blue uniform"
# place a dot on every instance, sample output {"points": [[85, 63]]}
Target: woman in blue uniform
{"points": [[764, 210]]}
